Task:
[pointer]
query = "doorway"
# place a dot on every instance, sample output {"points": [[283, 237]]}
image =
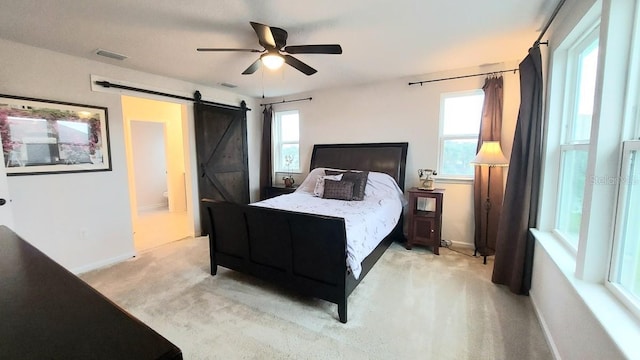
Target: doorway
{"points": [[156, 166]]}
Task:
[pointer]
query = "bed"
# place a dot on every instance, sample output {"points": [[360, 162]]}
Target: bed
{"points": [[304, 252]]}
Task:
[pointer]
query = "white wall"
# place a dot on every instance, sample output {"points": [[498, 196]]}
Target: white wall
{"points": [[83, 220], [393, 111], [570, 327], [150, 164]]}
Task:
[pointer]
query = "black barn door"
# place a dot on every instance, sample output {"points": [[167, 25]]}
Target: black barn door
{"points": [[221, 150]]}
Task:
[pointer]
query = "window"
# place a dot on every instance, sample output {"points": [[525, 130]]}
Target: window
{"points": [[590, 193], [286, 138], [460, 115], [624, 274], [582, 64]]}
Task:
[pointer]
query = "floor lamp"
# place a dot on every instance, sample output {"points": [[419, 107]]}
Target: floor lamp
{"points": [[490, 155]]}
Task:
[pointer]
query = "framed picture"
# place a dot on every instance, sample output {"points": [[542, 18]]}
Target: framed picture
{"points": [[47, 137]]}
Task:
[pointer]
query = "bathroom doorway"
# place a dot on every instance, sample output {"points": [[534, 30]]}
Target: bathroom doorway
{"points": [[157, 171]]}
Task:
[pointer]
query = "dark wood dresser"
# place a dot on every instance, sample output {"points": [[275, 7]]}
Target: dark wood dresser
{"points": [[46, 312]]}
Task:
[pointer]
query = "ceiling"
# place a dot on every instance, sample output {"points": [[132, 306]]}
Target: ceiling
{"points": [[381, 39]]}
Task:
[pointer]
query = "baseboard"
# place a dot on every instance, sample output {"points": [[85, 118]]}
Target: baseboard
{"points": [[545, 328], [103, 263]]}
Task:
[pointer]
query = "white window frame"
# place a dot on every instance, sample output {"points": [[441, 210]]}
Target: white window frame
{"points": [[570, 101], [443, 137], [569, 117], [622, 294], [278, 143]]}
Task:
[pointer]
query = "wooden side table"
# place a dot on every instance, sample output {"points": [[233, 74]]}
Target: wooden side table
{"points": [[425, 218], [275, 190]]}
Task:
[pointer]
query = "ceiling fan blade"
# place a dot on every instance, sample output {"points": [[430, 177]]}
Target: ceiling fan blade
{"points": [[299, 65], [252, 68], [314, 49], [265, 37], [229, 49]]}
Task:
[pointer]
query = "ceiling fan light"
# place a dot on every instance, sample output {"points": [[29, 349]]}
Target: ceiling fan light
{"points": [[272, 61]]}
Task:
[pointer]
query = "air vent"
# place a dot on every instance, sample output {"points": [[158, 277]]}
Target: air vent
{"points": [[110, 54], [228, 85]]}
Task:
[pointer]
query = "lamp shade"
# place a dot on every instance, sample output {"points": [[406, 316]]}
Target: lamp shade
{"points": [[272, 60], [490, 154]]}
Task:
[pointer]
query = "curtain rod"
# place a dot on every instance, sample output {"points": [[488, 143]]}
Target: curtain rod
{"points": [[462, 76], [197, 97], [546, 26], [286, 101]]}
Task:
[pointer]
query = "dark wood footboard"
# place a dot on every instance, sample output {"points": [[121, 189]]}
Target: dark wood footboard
{"points": [[304, 252]]}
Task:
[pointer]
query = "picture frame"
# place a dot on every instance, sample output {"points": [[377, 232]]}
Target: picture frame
{"points": [[52, 137]]}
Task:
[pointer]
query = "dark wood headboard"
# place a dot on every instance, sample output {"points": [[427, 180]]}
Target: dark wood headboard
{"points": [[389, 158]]}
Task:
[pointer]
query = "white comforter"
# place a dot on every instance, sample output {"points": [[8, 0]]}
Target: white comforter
{"points": [[367, 222]]}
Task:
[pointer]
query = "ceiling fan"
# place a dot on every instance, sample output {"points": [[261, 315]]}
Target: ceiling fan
{"points": [[274, 41]]}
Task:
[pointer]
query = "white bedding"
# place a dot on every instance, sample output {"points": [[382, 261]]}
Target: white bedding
{"points": [[367, 222]]}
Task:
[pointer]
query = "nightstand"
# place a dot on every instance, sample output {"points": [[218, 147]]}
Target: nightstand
{"points": [[277, 190], [425, 218]]}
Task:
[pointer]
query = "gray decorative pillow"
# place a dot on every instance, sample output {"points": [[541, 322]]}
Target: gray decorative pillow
{"points": [[358, 178], [339, 190]]}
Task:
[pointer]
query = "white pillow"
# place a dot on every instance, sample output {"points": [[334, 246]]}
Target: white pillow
{"points": [[319, 189], [380, 185]]}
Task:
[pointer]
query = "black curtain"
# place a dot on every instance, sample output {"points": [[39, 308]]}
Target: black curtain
{"points": [[486, 220], [265, 152], [514, 245]]}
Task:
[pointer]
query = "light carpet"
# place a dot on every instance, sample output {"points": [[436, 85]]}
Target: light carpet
{"points": [[412, 305]]}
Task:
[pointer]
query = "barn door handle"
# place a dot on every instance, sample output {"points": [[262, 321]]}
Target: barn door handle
{"points": [[2, 202], [202, 169]]}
